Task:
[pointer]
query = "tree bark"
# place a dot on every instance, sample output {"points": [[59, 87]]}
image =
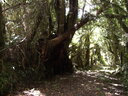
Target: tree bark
{"points": [[52, 51], [56, 57], [87, 61]]}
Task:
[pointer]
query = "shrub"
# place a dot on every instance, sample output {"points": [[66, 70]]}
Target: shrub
{"points": [[7, 79]]}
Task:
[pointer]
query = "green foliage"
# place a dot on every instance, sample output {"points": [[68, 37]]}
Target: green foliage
{"points": [[125, 82], [96, 45], [86, 52], [8, 79], [13, 75]]}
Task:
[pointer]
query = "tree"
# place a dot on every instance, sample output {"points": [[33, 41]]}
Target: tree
{"points": [[119, 15], [48, 42]]}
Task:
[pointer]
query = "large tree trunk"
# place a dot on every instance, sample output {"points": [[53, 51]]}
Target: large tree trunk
{"points": [[56, 59], [51, 55]]}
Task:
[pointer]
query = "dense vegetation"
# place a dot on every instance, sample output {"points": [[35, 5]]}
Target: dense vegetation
{"points": [[43, 38]]}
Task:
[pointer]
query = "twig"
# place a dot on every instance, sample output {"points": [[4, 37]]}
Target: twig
{"points": [[15, 6]]}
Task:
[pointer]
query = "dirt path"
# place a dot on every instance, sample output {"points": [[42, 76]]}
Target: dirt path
{"points": [[77, 84]]}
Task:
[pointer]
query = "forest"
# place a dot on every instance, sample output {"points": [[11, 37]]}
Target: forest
{"points": [[63, 47]]}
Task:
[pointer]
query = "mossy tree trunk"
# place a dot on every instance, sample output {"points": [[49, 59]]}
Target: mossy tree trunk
{"points": [[56, 53], [52, 50]]}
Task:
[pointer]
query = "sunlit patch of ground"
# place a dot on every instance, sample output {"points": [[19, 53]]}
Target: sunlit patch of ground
{"points": [[33, 92], [78, 84]]}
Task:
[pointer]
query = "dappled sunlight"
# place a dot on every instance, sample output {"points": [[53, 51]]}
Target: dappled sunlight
{"points": [[106, 70], [109, 84], [93, 83], [63, 47], [113, 91], [111, 78], [121, 85], [32, 92], [116, 90]]}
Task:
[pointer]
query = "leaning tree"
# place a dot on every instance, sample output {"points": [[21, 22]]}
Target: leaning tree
{"points": [[49, 51]]}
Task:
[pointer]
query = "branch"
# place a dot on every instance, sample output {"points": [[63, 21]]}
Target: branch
{"points": [[15, 6], [71, 32], [60, 12], [123, 25], [37, 23], [21, 4], [84, 21], [116, 16], [88, 17], [107, 2], [73, 13]]}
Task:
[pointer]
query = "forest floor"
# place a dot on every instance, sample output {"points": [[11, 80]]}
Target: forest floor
{"points": [[77, 84]]}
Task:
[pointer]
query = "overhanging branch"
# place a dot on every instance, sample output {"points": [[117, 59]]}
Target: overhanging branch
{"points": [[118, 16], [78, 25], [69, 33]]}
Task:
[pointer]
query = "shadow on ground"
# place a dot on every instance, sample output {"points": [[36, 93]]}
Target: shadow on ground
{"points": [[78, 84]]}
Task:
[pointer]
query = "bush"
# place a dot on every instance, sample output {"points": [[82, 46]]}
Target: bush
{"points": [[125, 83], [7, 79]]}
